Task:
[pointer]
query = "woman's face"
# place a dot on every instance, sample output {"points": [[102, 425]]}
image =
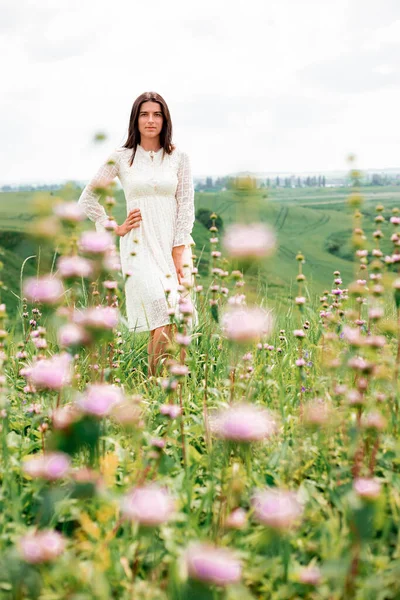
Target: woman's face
{"points": [[150, 120]]}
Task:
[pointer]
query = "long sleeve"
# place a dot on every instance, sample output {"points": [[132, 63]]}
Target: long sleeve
{"points": [[185, 200], [89, 199]]}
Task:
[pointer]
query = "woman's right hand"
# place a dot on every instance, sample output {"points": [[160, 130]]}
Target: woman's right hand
{"points": [[132, 220]]}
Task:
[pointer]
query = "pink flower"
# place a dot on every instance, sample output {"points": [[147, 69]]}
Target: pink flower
{"points": [[395, 220], [74, 266], [95, 242], [244, 324], [127, 413], [64, 416], [237, 519], [149, 505], [72, 335], [374, 420], [171, 410], [354, 398], [183, 340], [186, 306], [110, 285], [47, 289], [179, 370], [41, 546], [367, 488], [212, 565], [353, 336], [249, 241], [316, 412], [99, 399], [97, 318], [279, 509], [310, 575], [69, 211], [53, 373], [51, 466], [244, 423], [299, 333], [157, 443]]}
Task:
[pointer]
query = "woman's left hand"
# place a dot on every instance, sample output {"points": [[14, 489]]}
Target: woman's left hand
{"points": [[177, 255]]}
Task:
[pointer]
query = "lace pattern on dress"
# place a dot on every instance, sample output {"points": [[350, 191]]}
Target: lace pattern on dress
{"points": [[89, 199], [185, 200]]}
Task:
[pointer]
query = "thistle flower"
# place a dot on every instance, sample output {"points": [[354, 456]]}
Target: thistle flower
{"points": [[245, 324], [97, 318], [72, 335], [299, 333], [310, 575], [41, 546], [249, 241], [74, 266], [95, 242], [53, 373], [183, 340], [149, 505], [317, 412], [374, 420], [367, 488], [212, 565], [279, 509], [237, 519], [99, 399], [51, 466], [171, 410], [178, 370], [64, 416], [70, 212], [244, 423], [47, 289]]}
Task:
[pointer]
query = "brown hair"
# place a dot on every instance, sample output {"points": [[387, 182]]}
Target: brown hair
{"points": [[133, 132]]}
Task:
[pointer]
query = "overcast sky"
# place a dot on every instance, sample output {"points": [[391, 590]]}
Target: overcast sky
{"points": [[259, 85]]}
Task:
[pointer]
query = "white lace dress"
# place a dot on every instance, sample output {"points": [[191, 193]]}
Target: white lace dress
{"points": [[163, 190]]}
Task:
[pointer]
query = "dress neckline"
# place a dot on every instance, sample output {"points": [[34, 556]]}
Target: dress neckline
{"points": [[148, 151]]}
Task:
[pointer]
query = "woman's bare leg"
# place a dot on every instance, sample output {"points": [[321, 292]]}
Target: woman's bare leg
{"points": [[151, 369], [162, 337]]}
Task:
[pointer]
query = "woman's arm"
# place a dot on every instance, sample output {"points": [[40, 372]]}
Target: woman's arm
{"points": [[185, 199], [89, 199]]}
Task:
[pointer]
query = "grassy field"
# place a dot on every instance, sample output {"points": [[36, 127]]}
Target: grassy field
{"points": [[310, 220], [255, 467]]}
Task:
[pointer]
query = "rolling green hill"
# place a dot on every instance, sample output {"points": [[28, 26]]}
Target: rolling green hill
{"points": [[316, 221]]}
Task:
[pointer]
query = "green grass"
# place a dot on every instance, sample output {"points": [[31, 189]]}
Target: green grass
{"points": [[306, 219]]}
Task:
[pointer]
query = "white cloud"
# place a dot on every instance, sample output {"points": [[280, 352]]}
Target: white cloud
{"points": [[283, 85]]}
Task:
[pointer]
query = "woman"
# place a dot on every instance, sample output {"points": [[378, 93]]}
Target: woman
{"points": [[155, 238]]}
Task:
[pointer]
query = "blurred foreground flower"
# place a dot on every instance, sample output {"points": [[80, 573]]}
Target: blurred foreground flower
{"points": [[51, 466], [244, 423], [310, 575], [99, 399], [95, 242], [52, 373], [41, 546], [246, 324], [47, 289], [97, 318], [74, 266], [249, 241], [212, 565], [279, 509], [367, 488], [149, 505], [70, 212]]}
